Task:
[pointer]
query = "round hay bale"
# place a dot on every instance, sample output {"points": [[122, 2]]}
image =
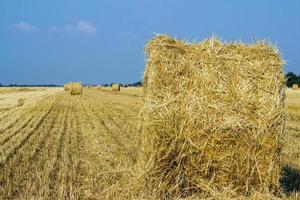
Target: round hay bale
{"points": [[76, 88], [116, 87], [67, 86], [98, 87], [295, 86]]}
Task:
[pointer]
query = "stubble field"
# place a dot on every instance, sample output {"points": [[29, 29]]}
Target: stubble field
{"points": [[57, 146]]}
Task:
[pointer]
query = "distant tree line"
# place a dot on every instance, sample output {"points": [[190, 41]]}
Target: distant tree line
{"points": [[30, 85], [292, 78], [135, 84]]}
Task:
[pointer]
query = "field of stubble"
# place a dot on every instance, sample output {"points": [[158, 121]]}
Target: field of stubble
{"points": [[57, 146]]}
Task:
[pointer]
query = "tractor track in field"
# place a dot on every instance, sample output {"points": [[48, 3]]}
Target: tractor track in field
{"points": [[49, 153], [99, 137], [13, 123], [112, 125], [96, 122], [27, 113], [40, 159], [75, 155], [54, 173], [13, 127], [13, 133], [28, 156], [90, 145], [18, 166], [23, 140], [8, 134], [108, 132], [8, 113]]}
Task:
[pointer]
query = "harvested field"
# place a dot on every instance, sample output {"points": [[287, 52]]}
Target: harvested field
{"points": [[10, 96], [63, 146], [60, 146]]}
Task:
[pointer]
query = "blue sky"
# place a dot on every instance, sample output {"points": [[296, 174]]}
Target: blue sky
{"points": [[102, 41]]}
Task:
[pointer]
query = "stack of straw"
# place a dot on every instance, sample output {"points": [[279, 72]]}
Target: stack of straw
{"points": [[98, 87], [213, 117], [116, 87], [67, 86], [295, 86], [76, 88]]}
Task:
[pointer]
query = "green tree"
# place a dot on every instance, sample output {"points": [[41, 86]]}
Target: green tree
{"points": [[292, 78]]}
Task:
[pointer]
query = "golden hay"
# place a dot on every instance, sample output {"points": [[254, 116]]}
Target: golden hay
{"points": [[26, 89], [116, 87], [21, 101], [295, 87], [212, 118], [98, 87], [76, 88], [67, 86]]}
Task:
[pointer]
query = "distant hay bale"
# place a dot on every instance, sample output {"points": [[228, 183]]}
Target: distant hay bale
{"points": [[26, 89], [21, 101], [295, 86], [212, 118], [67, 86], [115, 87], [98, 87], [76, 88]]}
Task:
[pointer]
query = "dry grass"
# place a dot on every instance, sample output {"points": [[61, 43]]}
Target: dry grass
{"points": [[291, 150], [26, 89], [63, 147], [135, 91], [10, 96], [7, 90]]}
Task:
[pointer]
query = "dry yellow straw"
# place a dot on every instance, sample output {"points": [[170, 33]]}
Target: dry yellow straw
{"points": [[212, 118]]}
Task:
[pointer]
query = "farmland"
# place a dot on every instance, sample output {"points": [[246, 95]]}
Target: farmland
{"points": [[58, 146]]}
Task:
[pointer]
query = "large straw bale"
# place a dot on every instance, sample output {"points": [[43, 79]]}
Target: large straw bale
{"points": [[76, 88], [212, 118], [295, 86], [115, 87]]}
